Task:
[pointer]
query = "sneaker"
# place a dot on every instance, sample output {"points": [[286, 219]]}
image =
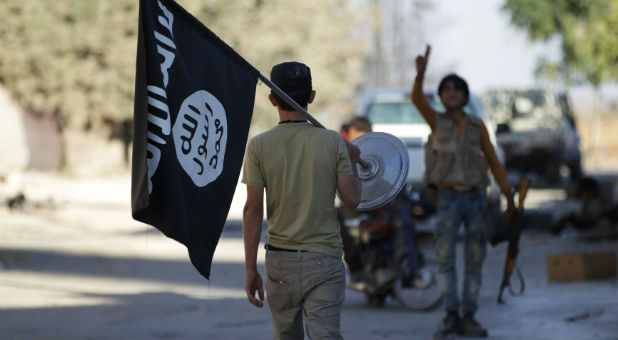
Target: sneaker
{"points": [[383, 276], [356, 280], [449, 326], [422, 280], [470, 327]]}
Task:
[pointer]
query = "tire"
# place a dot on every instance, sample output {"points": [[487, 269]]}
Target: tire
{"points": [[575, 171], [424, 298], [551, 169], [423, 293]]}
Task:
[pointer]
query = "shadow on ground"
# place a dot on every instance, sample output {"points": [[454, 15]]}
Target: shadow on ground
{"points": [[154, 315], [121, 268]]}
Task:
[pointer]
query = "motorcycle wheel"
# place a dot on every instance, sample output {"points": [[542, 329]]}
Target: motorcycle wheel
{"points": [[421, 294]]}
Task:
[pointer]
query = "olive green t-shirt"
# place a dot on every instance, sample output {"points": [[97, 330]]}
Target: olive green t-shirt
{"points": [[298, 165]]}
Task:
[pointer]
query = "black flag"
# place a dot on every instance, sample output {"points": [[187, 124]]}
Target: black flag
{"points": [[193, 104]]}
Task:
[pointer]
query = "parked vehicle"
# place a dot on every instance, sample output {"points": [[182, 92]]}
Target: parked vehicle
{"points": [[397, 260], [391, 111], [537, 131]]}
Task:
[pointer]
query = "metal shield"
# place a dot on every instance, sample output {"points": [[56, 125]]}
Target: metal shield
{"points": [[388, 160]]}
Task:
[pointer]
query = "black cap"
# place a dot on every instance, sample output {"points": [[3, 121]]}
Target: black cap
{"points": [[292, 77]]}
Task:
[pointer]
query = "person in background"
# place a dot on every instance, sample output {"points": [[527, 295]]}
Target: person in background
{"points": [[457, 161], [596, 206], [357, 127]]}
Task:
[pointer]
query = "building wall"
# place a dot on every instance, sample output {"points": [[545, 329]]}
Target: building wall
{"points": [[14, 154]]}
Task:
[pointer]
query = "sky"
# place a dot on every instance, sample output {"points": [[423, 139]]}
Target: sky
{"points": [[474, 39]]}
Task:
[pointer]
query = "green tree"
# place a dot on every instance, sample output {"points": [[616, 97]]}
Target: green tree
{"points": [[588, 30], [319, 33], [76, 58], [73, 58]]}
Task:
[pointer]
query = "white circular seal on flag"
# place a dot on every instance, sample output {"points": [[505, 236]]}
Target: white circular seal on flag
{"points": [[200, 137]]}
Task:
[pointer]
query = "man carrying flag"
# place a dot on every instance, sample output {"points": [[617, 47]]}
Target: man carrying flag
{"points": [[300, 166], [193, 103]]}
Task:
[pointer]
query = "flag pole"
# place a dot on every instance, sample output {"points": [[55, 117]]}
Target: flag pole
{"points": [[300, 109], [289, 100]]}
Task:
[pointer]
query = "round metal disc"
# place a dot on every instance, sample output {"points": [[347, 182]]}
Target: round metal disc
{"points": [[388, 162]]}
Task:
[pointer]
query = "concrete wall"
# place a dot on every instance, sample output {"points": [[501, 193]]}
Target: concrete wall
{"points": [[14, 154], [33, 141]]}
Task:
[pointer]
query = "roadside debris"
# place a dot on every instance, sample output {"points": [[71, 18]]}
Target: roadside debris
{"points": [[584, 315], [16, 202], [598, 208]]}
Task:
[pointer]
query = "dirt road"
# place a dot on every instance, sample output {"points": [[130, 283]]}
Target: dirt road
{"points": [[74, 265]]}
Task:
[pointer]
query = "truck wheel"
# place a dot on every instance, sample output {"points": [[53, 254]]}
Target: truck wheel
{"points": [[552, 170]]}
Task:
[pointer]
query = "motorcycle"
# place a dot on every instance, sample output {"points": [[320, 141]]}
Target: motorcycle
{"points": [[397, 260]]}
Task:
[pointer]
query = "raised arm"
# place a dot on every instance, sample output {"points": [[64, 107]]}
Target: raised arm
{"points": [[418, 98]]}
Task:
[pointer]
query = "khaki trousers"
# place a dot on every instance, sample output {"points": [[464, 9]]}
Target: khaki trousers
{"points": [[305, 285]]}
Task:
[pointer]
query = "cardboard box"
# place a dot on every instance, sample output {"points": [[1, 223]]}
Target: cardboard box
{"points": [[581, 266]]}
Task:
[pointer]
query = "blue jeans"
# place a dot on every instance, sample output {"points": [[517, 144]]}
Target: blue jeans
{"points": [[455, 208]]}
